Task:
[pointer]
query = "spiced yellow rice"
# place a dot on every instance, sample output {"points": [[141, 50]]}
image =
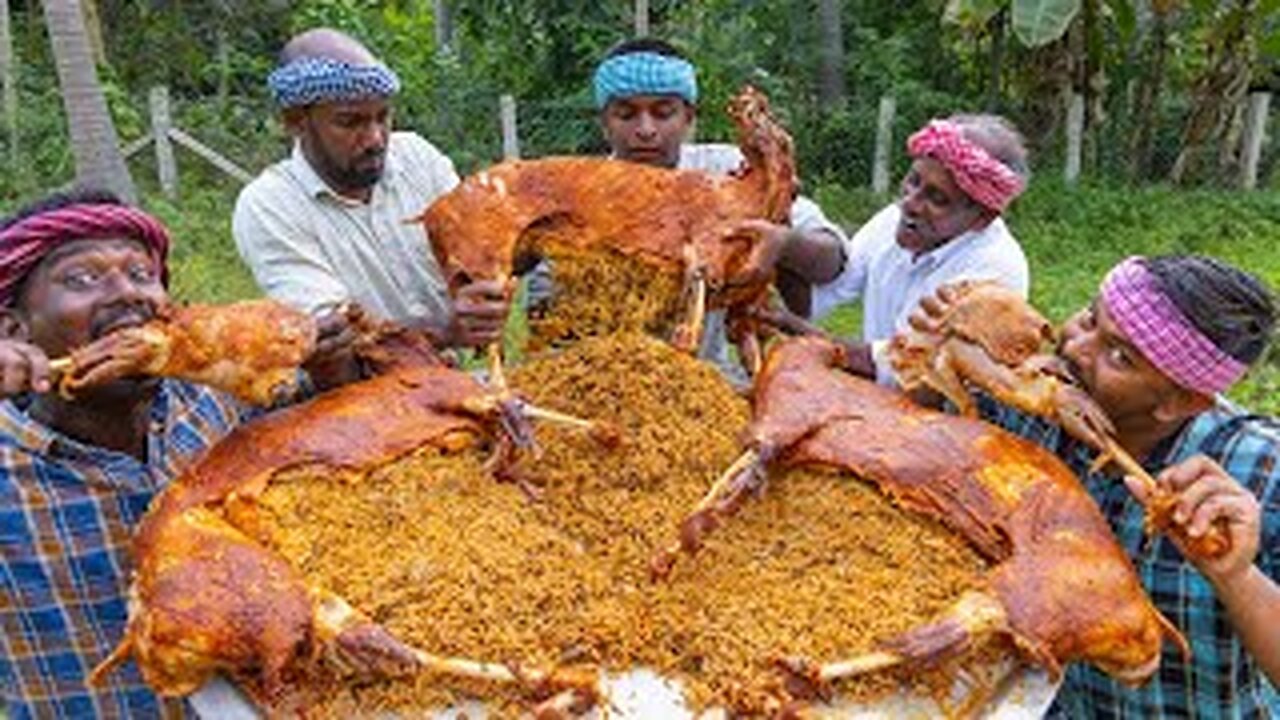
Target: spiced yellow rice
{"points": [[456, 563]]}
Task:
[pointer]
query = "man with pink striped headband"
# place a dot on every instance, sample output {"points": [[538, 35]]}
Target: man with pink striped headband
{"points": [[25, 242], [1164, 337]]}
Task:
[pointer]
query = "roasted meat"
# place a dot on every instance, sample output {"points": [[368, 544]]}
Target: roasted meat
{"points": [[206, 597], [251, 349], [989, 336], [1061, 588], [682, 223]]}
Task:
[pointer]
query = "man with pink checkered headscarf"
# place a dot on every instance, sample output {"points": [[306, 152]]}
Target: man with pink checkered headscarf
{"points": [[76, 474], [946, 226], [1161, 342]]}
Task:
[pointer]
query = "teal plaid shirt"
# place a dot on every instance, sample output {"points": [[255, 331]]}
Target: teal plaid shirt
{"points": [[67, 511], [1221, 680]]}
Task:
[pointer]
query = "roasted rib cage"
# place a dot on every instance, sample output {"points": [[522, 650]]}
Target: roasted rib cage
{"points": [[1062, 588], [207, 598], [673, 221]]}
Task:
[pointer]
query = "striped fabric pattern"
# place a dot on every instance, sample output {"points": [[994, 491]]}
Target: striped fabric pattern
{"points": [[1164, 335], [307, 81], [67, 511], [1221, 680], [26, 242], [644, 73]]}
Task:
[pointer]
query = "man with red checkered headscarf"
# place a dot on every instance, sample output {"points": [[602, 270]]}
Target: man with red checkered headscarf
{"points": [[76, 474], [946, 226]]}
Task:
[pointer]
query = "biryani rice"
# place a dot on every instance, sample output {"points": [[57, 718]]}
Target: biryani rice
{"points": [[456, 563]]}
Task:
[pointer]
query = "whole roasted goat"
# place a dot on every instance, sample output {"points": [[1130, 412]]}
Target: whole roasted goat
{"points": [[684, 223], [1061, 588], [207, 597]]}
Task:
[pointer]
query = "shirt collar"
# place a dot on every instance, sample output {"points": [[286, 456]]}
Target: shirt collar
{"points": [[316, 187], [36, 437]]}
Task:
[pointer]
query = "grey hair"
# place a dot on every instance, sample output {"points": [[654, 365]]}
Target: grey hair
{"points": [[998, 137]]}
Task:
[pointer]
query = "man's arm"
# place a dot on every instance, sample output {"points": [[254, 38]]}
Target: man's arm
{"points": [[1207, 495]]}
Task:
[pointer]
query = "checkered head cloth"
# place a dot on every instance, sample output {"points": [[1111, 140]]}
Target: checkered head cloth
{"points": [[644, 73], [1163, 334], [307, 81], [25, 243], [982, 177]]}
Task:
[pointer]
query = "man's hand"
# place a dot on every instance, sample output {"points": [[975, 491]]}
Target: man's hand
{"points": [[333, 362], [1206, 494], [931, 313], [480, 312], [23, 368], [770, 242]]}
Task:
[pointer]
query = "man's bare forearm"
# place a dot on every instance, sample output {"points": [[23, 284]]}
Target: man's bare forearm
{"points": [[815, 256]]}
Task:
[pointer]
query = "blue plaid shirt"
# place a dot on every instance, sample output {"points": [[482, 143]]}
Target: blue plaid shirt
{"points": [[67, 511], [1222, 679]]}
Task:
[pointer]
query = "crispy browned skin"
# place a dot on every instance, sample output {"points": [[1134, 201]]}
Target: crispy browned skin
{"points": [[1063, 589], [206, 597], [654, 215], [250, 349]]}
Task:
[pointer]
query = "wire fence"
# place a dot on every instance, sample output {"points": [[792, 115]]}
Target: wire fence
{"points": [[841, 147]]}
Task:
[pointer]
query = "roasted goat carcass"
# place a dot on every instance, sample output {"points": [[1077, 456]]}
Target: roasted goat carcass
{"points": [[1061, 587], [251, 349], [989, 336], [684, 223], [206, 597]]}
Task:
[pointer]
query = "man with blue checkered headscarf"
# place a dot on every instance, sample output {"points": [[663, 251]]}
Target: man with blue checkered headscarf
{"points": [[327, 224], [646, 92]]}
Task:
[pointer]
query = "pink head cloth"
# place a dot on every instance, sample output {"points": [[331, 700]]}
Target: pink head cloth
{"points": [[982, 177], [1163, 334], [25, 243]]}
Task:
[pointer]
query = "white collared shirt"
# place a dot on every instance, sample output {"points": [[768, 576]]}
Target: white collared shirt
{"points": [[891, 281], [310, 247]]}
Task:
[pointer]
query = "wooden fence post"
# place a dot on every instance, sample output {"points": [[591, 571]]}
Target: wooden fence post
{"points": [[8, 77], [1075, 137], [510, 131], [1255, 131], [161, 124], [642, 18], [883, 158], [444, 26]]}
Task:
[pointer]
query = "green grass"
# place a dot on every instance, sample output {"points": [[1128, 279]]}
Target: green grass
{"points": [[1071, 237]]}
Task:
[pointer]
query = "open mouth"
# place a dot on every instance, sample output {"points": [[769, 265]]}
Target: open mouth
{"points": [[132, 318]]}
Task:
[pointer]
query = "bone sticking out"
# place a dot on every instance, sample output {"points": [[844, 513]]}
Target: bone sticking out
{"points": [[462, 667], [870, 662], [1214, 543], [497, 377], [663, 561], [534, 412]]}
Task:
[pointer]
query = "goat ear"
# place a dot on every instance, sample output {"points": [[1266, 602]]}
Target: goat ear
{"points": [[12, 325]]}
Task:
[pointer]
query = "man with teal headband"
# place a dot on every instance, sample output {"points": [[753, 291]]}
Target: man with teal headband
{"points": [[647, 95], [327, 224]]}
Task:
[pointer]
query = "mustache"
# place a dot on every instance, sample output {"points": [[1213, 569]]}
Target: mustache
{"points": [[117, 315], [372, 154]]}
